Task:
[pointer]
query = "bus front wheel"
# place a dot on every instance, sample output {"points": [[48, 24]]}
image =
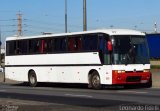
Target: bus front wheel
{"points": [[32, 78], [95, 80]]}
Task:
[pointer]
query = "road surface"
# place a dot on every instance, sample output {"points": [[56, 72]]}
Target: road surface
{"points": [[77, 98]]}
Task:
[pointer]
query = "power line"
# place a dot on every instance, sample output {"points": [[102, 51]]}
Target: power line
{"points": [[9, 31], [52, 24], [7, 25], [7, 20]]}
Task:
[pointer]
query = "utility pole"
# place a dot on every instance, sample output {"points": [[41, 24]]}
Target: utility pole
{"points": [[84, 15], [66, 30], [19, 24]]}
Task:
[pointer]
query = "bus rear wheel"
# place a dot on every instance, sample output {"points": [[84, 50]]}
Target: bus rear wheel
{"points": [[95, 81], [32, 78]]}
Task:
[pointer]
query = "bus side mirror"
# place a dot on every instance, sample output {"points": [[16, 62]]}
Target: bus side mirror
{"points": [[109, 46]]}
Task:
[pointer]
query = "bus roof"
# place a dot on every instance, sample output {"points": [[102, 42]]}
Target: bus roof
{"points": [[106, 31]]}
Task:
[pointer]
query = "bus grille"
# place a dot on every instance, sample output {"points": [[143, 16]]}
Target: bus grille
{"points": [[133, 79]]}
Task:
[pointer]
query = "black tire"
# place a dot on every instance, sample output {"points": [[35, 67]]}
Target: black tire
{"points": [[32, 79], [95, 81]]}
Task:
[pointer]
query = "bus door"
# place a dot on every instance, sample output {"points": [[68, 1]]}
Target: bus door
{"points": [[104, 53]]}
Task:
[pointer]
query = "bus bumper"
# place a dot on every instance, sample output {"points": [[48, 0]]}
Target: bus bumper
{"points": [[130, 77]]}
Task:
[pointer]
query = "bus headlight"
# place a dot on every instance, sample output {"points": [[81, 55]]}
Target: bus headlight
{"points": [[120, 71], [146, 70]]}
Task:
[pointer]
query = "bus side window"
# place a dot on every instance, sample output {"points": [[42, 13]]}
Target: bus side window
{"points": [[86, 44], [8, 48], [63, 45], [74, 44], [71, 43], [42, 47], [21, 47], [50, 45], [78, 43], [11, 47], [18, 51], [37, 46], [93, 41], [60, 44], [90, 42], [33, 46], [57, 42]]}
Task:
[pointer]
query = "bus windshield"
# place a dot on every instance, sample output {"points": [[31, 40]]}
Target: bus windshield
{"points": [[130, 50]]}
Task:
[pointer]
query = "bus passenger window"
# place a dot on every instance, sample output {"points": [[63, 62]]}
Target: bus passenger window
{"points": [[74, 44], [60, 44], [11, 46], [63, 44], [71, 43], [23, 46], [78, 43], [33, 46], [37, 46], [90, 42], [50, 45], [18, 51], [42, 48]]}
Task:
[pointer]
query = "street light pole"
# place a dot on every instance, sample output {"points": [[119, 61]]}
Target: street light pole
{"points": [[66, 30], [84, 15]]}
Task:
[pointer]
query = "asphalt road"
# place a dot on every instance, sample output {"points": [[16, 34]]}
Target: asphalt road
{"points": [[77, 98]]}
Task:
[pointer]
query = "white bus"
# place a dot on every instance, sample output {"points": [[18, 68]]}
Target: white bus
{"points": [[96, 58]]}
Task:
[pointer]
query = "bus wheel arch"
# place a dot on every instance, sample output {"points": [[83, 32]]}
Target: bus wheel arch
{"points": [[94, 79], [32, 78]]}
